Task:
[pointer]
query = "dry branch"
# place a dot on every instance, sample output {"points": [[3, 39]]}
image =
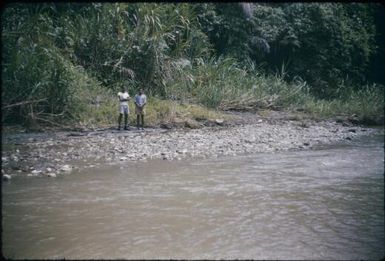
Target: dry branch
{"points": [[22, 103]]}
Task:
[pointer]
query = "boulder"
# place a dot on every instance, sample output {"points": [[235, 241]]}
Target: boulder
{"points": [[192, 124], [66, 168], [219, 121], [353, 119], [6, 177], [166, 125]]}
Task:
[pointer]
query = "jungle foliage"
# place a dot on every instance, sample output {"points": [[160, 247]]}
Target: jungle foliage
{"points": [[63, 60]]}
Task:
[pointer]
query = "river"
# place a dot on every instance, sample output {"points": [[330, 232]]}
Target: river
{"points": [[325, 203]]}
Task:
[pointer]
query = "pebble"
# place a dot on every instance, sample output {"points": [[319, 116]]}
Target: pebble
{"points": [[178, 144]]}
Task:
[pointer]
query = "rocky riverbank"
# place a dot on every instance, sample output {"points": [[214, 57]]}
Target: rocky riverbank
{"points": [[55, 153]]}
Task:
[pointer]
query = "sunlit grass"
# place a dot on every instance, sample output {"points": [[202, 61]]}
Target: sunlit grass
{"points": [[205, 91], [157, 111]]}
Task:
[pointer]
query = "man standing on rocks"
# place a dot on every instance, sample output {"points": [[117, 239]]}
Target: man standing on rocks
{"points": [[140, 102], [124, 97]]}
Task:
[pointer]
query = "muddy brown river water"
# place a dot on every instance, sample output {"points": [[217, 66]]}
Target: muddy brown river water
{"points": [[326, 203]]}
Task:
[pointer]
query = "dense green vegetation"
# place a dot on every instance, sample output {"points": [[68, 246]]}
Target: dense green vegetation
{"points": [[65, 62]]}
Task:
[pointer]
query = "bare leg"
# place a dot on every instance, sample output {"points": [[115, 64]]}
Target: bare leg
{"points": [[120, 121], [125, 121]]}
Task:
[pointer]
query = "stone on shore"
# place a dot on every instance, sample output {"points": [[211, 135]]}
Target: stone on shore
{"points": [[66, 168], [6, 177], [219, 121], [192, 124], [109, 147], [166, 125]]}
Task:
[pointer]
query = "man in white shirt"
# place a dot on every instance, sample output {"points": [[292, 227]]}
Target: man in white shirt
{"points": [[124, 97], [140, 102]]}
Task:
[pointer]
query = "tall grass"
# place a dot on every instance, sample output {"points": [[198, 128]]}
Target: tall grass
{"points": [[365, 103], [206, 88], [226, 85], [223, 84]]}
